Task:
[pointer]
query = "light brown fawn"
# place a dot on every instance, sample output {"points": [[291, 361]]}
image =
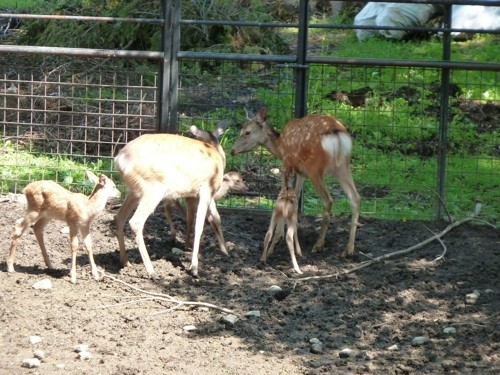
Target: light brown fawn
{"points": [[285, 210], [168, 166], [231, 181], [46, 200], [314, 146]]}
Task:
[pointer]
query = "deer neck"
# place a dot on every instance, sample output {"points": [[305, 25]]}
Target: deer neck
{"points": [[97, 200], [271, 142]]}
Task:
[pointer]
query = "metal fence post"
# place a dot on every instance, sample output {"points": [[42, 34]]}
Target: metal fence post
{"points": [[164, 124], [443, 114]]}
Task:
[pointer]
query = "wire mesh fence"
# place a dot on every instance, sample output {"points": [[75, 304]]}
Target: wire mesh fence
{"points": [[63, 115]]}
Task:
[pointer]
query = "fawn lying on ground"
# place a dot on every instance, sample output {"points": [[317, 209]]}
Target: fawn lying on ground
{"points": [[46, 200], [168, 166], [285, 210], [313, 146]]}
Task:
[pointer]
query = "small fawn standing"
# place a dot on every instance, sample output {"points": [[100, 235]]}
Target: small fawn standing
{"points": [[46, 200], [230, 181], [285, 210], [168, 166], [314, 146]]}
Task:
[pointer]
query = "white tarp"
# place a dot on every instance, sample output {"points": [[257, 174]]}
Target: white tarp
{"points": [[476, 17], [392, 14]]}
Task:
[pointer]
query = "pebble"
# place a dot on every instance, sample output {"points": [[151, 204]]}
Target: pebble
{"points": [[31, 362], [84, 355], [43, 284], [189, 328], [393, 348], [253, 313], [471, 298], [230, 319], [274, 289], [449, 330], [345, 353], [35, 340], [40, 354], [177, 251], [420, 340], [81, 348]]}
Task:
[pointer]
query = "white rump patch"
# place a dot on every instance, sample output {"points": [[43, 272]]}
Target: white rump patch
{"points": [[338, 145]]}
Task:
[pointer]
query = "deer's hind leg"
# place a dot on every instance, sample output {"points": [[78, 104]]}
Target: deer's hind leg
{"points": [[20, 227]]}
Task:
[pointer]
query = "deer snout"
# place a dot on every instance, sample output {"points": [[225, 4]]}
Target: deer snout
{"points": [[233, 151]]}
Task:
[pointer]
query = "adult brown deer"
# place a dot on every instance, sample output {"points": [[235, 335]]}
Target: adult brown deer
{"points": [[285, 210], [168, 166], [46, 200], [314, 146]]}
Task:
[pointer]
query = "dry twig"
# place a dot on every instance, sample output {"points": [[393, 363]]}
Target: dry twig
{"points": [[162, 297], [438, 236]]}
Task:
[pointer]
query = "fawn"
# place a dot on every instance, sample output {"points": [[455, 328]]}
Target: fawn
{"points": [[47, 200], [285, 210], [313, 146]]}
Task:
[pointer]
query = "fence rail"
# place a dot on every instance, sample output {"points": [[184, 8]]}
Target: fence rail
{"points": [[66, 114]]}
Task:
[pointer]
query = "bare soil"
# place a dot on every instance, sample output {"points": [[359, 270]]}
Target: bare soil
{"points": [[367, 311]]}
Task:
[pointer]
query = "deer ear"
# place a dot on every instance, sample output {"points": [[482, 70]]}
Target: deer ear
{"points": [[262, 115], [249, 114], [221, 128], [92, 177]]}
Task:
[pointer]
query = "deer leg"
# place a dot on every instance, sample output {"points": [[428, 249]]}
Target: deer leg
{"points": [[347, 185], [128, 205], [215, 222], [87, 241], [20, 227], [191, 204], [146, 206], [73, 235], [167, 206], [205, 197], [292, 240], [327, 200], [38, 229], [298, 250]]}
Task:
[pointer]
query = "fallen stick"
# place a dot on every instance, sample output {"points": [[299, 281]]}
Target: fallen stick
{"points": [[162, 297], [438, 236]]}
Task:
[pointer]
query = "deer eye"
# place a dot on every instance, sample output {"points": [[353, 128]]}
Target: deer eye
{"points": [[247, 132]]}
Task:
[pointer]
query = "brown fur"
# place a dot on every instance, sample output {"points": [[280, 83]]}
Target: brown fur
{"points": [[46, 201], [303, 147], [167, 166]]}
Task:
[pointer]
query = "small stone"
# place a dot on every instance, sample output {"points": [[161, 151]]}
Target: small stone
{"points": [[177, 251], [84, 355], [43, 284], [449, 330], [471, 298], [393, 348], [35, 340], [315, 340], [275, 289], [81, 348], [420, 340], [316, 348], [60, 366], [31, 362], [40, 354], [230, 319], [345, 353], [189, 328], [488, 291], [253, 313]]}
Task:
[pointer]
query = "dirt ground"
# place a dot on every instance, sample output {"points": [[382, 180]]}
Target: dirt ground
{"points": [[375, 312]]}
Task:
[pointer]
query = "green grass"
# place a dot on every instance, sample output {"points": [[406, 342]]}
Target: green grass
{"points": [[22, 4]]}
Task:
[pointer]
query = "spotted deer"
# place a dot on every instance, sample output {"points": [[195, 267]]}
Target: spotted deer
{"points": [[47, 200], [168, 166], [314, 146], [285, 211]]}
